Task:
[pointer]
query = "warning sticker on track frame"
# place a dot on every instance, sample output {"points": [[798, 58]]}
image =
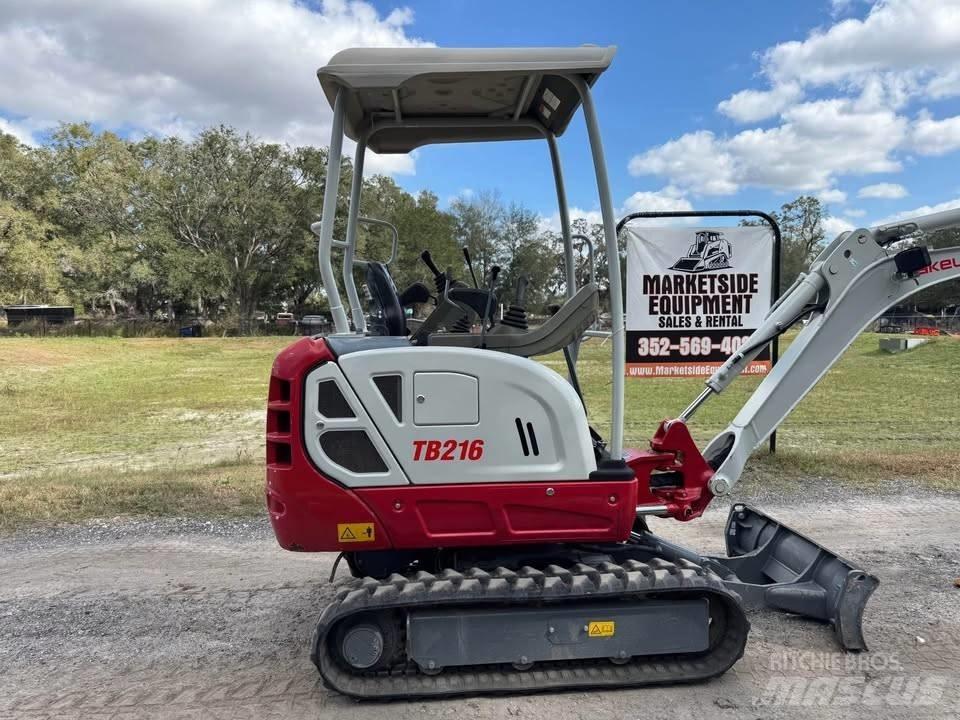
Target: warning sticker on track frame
{"points": [[601, 628], [356, 532]]}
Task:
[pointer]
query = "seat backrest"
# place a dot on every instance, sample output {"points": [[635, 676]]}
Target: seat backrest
{"points": [[392, 320]]}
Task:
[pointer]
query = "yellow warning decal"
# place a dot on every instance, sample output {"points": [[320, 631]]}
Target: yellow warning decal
{"points": [[601, 628], [356, 532]]}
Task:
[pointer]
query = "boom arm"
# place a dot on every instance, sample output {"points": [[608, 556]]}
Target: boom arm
{"points": [[852, 282]]}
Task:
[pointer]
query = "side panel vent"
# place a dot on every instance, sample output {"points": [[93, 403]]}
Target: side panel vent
{"points": [[526, 445], [352, 450], [391, 387], [279, 390], [278, 421], [278, 454], [533, 439], [330, 401]]}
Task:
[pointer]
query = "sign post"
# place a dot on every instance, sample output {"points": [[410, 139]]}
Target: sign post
{"points": [[694, 295]]}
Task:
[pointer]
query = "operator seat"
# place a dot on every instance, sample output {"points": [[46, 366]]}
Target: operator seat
{"points": [[392, 320], [574, 317]]}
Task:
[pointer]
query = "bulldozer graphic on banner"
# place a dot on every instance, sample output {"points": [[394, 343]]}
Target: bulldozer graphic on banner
{"points": [[710, 251]]}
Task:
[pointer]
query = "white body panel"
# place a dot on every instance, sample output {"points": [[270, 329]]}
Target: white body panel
{"points": [[316, 424], [466, 395]]}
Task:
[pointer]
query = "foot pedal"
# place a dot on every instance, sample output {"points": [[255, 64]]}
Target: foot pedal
{"points": [[770, 565]]}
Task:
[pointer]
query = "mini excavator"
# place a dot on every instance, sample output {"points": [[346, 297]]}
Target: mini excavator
{"points": [[496, 543]]}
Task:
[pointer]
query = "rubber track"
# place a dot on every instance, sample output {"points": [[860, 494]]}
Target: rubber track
{"points": [[605, 581]]}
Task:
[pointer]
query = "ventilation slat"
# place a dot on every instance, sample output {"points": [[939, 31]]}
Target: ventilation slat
{"points": [[523, 437], [533, 440]]}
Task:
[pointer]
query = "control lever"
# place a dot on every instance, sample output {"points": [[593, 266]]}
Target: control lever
{"points": [[520, 298], [516, 315], [439, 279], [466, 256], [494, 271]]}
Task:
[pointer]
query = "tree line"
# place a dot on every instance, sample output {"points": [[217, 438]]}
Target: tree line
{"points": [[218, 227]]}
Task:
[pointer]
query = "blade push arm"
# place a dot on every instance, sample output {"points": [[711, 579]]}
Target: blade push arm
{"points": [[853, 281]]}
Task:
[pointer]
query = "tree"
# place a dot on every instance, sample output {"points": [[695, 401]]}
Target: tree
{"points": [[801, 228], [97, 180], [30, 258], [31, 252], [220, 226], [231, 200], [478, 224], [510, 237]]}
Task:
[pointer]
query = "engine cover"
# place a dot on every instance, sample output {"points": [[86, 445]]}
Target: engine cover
{"points": [[439, 415]]}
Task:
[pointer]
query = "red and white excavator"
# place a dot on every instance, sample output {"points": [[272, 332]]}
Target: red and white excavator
{"points": [[496, 542]]}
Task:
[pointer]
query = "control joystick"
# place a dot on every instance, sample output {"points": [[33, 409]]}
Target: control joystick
{"points": [[439, 278], [516, 315]]}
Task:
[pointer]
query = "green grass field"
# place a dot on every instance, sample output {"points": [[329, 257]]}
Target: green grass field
{"points": [[105, 426]]}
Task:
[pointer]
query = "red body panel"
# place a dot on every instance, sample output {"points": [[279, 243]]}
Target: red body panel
{"points": [[421, 516], [673, 450], [306, 507]]}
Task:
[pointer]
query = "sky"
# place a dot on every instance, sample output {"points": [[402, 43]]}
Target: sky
{"points": [[707, 105]]}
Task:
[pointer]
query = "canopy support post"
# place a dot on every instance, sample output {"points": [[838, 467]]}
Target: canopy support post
{"points": [[568, 261], [618, 360], [356, 310], [340, 322]]}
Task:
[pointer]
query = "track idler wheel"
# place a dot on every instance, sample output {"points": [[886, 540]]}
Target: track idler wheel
{"points": [[367, 643]]}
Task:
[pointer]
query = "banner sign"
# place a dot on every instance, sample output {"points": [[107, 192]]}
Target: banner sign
{"points": [[694, 296]]}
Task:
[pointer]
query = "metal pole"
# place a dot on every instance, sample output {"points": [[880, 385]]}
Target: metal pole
{"points": [[775, 275], [618, 358], [590, 254], [340, 322], [356, 310], [571, 275], [564, 215]]}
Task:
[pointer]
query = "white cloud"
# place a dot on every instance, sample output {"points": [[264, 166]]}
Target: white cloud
{"points": [[374, 163], [863, 71], [21, 133], [901, 49], [833, 226], [920, 38], [840, 6], [551, 223], [176, 66], [832, 195], [887, 191], [464, 194], [817, 142], [922, 210], [936, 137], [753, 105], [696, 160], [854, 212], [666, 199]]}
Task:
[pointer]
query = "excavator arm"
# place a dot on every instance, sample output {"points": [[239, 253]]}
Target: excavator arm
{"points": [[852, 282]]}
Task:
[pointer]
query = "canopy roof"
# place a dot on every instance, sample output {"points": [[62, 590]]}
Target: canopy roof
{"points": [[407, 97]]}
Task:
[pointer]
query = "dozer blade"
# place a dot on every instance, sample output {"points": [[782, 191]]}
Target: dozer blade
{"points": [[687, 264], [770, 565]]}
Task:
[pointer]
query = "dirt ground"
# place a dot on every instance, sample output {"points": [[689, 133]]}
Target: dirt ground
{"points": [[193, 619]]}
